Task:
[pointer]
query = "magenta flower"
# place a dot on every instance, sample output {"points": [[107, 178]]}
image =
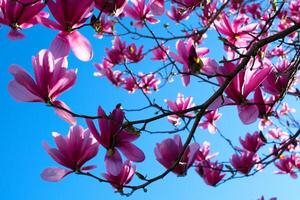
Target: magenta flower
{"points": [[18, 16], [237, 32], [242, 85], [209, 123], [140, 12], [285, 109], [148, 82], [181, 104], [51, 79], [114, 138], [160, 53], [187, 4], [210, 172], [277, 134], [252, 142], [114, 7], [72, 152], [105, 69], [69, 16], [243, 162], [157, 7], [278, 80], [286, 165], [130, 84], [134, 54], [103, 26], [193, 60], [204, 152], [116, 54], [178, 14], [124, 177], [167, 153]]}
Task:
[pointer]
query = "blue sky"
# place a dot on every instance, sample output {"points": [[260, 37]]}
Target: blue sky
{"points": [[25, 125]]}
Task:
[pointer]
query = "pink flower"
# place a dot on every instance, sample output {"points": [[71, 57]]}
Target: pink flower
{"points": [[69, 16], [18, 16], [51, 79], [72, 152], [243, 162], [285, 109], [178, 14], [140, 12], [277, 81], [204, 152], [192, 60], [114, 7], [114, 138], [124, 177], [181, 104], [103, 26], [286, 165], [188, 4], [210, 172], [168, 151], [134, 54], [209, 123], [242, 85], [277, 134], [148, 82], [157, 7], [252, 142], [159, 53], [130, 84], [116, 54], [105, 69], [237, 32]]}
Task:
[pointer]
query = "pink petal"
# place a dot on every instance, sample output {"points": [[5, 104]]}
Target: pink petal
{"points": [[15, 35], [113, 163], [132, 152], [60, 46], [54, 174], [20, 93], [80, 46], [63, 114], [248, 113]]}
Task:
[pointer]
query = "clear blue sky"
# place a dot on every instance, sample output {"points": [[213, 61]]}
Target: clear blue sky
{"points": [[25, 125]]}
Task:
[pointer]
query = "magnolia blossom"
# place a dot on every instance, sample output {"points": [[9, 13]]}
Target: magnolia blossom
{"points": [[18, 17], [252, 142], [193, 60], [69, 17], [237, 32], [211, 172], [116, 54], [72, 152], [242, 85], [277, 134], [286, 165], [167, 153], [133, 53], [204, 152], [148, 82], [124, 177], [114, 7], [285, 109], [140, 12], [157, 7], [181, 104], [177, 13], [51, 79], [209, 122], [160, 53], [243, 162], [115, 139]]}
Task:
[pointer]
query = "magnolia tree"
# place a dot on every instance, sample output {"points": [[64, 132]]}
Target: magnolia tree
{"points": [[255, 72]]}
